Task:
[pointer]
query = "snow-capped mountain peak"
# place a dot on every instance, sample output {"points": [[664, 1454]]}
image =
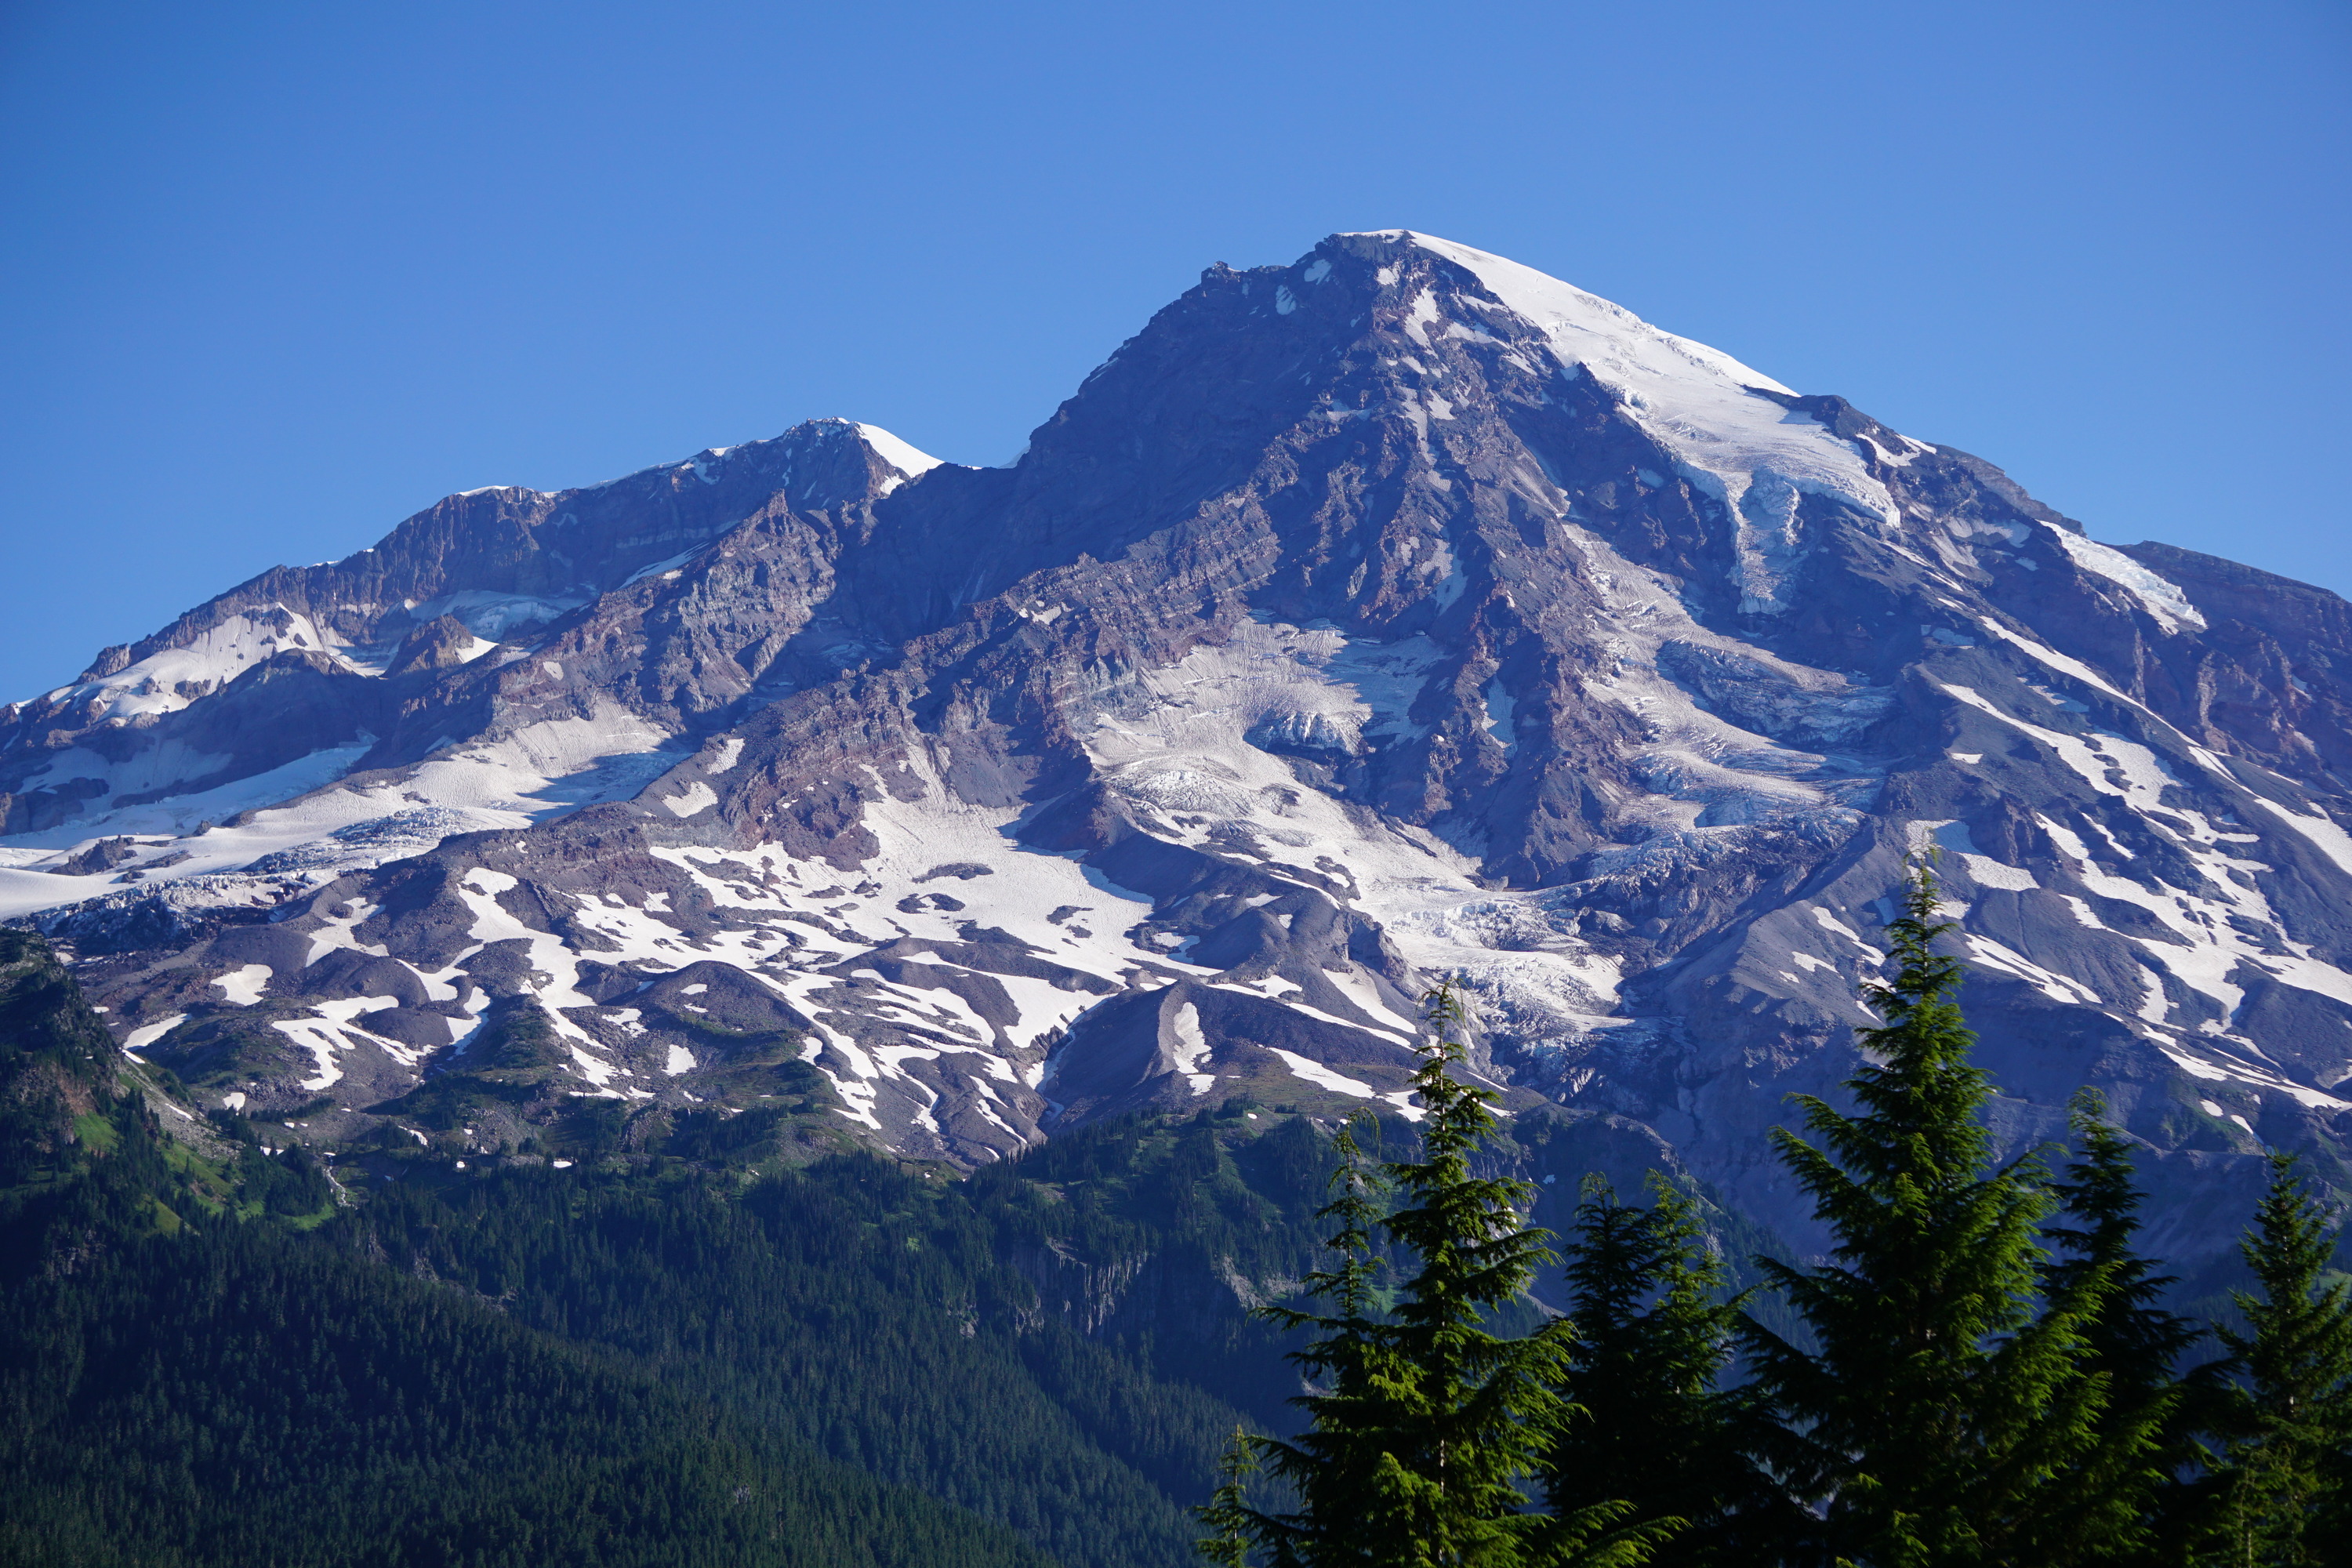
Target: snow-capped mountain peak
{"points": [[1396, 612], [900, 455]]}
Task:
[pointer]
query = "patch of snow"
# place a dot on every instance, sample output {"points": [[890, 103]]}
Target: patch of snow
{"points": [[146, 1035], [691, 801], [1190, 756], [2094, 759], [296, 827], [1357, 987], [492, 615], [2165, 603], [906, 458], [558, 992], [663, 568], [1830, 923], [1189, 1048], [348, 1010], [1315, 1073], [2057, 988], [1982, 870], [1418, 318], [2057, 661], [321, 1042], [1499, 707], [2320, 828], [242, 987], [2206, 947], [2084, 914]]}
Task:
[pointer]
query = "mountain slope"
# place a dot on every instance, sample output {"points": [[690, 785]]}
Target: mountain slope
{"points": [[184, 1389], [218, 1359], [1400, 611]]}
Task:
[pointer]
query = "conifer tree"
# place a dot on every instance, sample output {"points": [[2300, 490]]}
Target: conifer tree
{"points": [[2128, 1335], [1942, 1420], [1654, 1332], [1227, 1513], [1425, 1424], [1353, 1412], [1477, 1407], [2286, 1470]]}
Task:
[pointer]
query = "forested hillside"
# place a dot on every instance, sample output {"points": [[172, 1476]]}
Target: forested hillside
{"points": [[215, 1354], [215, 1351]]}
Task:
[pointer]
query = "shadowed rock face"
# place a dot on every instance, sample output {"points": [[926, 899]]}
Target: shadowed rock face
{"points": [[1395, 613]]}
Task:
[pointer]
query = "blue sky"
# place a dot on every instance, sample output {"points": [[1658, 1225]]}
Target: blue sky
{"points": [[277, 276]]}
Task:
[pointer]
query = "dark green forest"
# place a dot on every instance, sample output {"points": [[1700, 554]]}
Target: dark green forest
{"points": [[647, 1358], [212, 1352]]}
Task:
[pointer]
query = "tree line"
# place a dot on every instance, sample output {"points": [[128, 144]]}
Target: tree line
{"points": [[1985, 1372]]}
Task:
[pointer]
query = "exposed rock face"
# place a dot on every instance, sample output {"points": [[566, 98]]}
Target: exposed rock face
{"points": [[1398, 611]]}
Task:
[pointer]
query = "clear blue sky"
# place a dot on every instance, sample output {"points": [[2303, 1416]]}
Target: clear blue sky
{"points": [[273, 276]]}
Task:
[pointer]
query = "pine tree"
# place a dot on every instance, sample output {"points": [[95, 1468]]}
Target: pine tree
{"points": [[1942, 1421], [1426, 1423], [1654, 1332], [2286, 1471]]}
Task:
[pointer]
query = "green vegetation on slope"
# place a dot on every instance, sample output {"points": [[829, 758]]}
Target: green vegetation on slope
{"points": [[212, 1354], [180, 1386]]}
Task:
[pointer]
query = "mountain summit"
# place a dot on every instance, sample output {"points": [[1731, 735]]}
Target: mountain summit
{"points": [[1398, 613]]}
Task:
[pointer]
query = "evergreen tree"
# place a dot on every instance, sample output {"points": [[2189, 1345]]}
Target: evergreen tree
{"points": [[1330, 1468], [1426, 1423], [1654, 1333], [1942, 1421], [1227, 1513], [1477, 1407], [2128, 1335], [2286, 1470]]}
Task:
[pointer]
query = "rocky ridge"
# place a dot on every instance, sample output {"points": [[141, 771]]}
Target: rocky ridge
{"points": [[1399, 612]]}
